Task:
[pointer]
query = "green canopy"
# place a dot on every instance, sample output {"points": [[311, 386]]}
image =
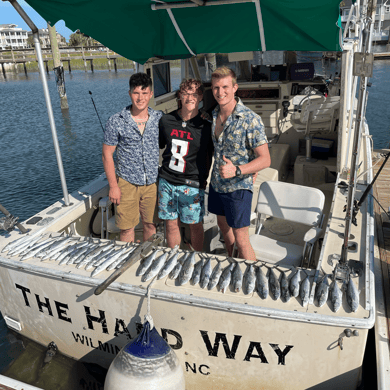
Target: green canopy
{"points": [[131, 28]]}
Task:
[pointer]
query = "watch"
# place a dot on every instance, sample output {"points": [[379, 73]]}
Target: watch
{"points": [[238, 171]]}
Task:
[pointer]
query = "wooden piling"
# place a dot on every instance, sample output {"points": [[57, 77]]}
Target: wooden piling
{"points": [[3, 69], [57, 64], [25, 68], [47, 66], [91, 65], [85, 61], [108, 60], [115, 65]]}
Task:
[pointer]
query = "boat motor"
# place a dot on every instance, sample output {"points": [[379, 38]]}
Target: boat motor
{"points": [[147, 362]]}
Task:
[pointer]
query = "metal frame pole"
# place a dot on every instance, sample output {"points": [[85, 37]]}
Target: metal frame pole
{"points": [[34, 29]]}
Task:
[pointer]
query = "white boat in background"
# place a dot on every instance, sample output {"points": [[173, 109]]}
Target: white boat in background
{"points": [[309, 234]]}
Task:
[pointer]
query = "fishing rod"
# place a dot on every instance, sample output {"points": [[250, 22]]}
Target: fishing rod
{"points": [[96, 110], [367, 191]]}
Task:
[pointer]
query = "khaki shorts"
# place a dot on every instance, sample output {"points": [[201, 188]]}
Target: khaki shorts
{"points": [[135, 200]]}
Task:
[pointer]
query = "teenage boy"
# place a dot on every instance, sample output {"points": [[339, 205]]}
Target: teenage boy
{"points": [[241, 151], [186, 137], [133, 133]]}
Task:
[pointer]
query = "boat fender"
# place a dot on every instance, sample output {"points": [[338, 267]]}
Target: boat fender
{"points": [[147, 362]]}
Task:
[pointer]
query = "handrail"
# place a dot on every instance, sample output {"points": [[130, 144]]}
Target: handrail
{"points": [[34, 29]]}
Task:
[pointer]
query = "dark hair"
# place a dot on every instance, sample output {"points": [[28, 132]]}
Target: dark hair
{"points": [[140, 80]]}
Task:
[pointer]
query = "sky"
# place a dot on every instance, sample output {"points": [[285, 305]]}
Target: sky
{"points": [[9, 15]]}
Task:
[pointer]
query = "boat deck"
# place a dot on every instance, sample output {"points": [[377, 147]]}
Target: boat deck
{"points": [[381, 192]]}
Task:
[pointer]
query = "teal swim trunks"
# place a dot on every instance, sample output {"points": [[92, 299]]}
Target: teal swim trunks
{"points": [[182, 201]]}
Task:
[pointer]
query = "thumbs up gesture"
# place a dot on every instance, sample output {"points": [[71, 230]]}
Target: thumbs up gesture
{"points": [[228, 170]]}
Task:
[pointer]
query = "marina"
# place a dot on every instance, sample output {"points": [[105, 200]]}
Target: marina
{"points": [[280, 323]]}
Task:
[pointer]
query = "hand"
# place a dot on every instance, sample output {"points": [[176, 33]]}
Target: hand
{"points": [[115, 195], [205, 115], [228, 170]]}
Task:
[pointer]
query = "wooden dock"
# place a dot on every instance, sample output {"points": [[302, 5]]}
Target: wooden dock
{"points": [[381, 56], [381, 193], [85, 53]]}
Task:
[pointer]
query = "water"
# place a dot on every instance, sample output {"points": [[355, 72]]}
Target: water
{"points": [[29, 179]]}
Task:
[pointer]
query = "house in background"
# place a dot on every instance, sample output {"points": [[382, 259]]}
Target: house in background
{"points": [[44, 37], [382, 19], [12, 36]]}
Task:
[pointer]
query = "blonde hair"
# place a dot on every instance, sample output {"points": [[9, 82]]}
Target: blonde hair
{"points": [[224, 71]]}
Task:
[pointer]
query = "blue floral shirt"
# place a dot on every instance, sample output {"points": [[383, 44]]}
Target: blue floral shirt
{"points": [[137, 154], [243, 132]]}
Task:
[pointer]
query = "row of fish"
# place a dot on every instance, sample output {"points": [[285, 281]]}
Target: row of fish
{"points": [[89, 253], [65, 249], [185, 269]]}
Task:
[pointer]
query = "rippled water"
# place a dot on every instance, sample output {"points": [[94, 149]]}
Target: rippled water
{"points": [[29, 179]]}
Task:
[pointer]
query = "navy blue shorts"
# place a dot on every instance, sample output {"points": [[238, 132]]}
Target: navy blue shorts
{"points": [[235, 206]]}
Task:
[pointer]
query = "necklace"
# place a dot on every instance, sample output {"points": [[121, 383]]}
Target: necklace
{"points": [[222, 123], [183, 123], [140, 122]]}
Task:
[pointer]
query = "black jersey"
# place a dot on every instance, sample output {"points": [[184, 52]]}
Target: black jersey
{"points": [[188, 149]]}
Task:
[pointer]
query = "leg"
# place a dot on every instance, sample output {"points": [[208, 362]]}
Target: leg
{"points": [[147, 206], [149, 230], [197, 236], [127, 212], [245, 250], [227, 233], [173, 232], [127, 235]]}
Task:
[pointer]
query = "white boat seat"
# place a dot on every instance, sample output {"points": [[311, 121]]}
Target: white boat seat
{"points": [[293, 203], [318, 115]]}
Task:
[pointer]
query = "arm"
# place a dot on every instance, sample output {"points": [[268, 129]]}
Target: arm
{"points": [[109, 167], [262, 161]]}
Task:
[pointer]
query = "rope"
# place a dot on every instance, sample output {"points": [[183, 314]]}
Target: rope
{"points": [[148, 317]]}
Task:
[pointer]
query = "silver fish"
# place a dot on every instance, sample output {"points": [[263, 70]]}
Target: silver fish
{"points": [[72, 256], [261, 283], [323, 291], [284, 287], [155, 267], [336, 296], [89, 248], [15, 243], [236, 279], [56, 247], [352, 295], [274, 284], [168, 266], [205, 274], [225, 278], [145, 264], [294, 284], [123, 257], [214, 278], [91, 257], [111, 259], [65, 252], [74, 249], [101, 258], [40, 249], [187, 269], [176, 270], [197, 272], [249, 280], [84, 258], [304, 291], [22, 248], [35, 246]]}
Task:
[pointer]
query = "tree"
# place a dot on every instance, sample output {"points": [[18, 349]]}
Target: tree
{"points": [[77, 39], [30, 41]]}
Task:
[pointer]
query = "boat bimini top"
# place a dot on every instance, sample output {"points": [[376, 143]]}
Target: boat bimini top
{"points": [[142, 29]]}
